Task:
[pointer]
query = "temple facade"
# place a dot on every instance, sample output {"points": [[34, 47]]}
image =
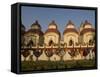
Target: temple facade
{"points": [[87, 32], [75, 43], [52, 34], [70, 34], [34, 36]]}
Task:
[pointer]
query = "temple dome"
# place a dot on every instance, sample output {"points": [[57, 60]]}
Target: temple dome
{"points": [[87, 24], [87, 27], [52, 28], [35, 25], [35, 28], [70, 27], [52, 25]]}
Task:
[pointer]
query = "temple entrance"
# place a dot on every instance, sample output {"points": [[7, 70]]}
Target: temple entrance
{"points": [[90, 42], [50, 42], [30, 43], [70, 43]]}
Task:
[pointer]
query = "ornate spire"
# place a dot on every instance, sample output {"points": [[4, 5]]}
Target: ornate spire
{"points": [[36, 23], [87, 23], [70, 23], [53, 23]]}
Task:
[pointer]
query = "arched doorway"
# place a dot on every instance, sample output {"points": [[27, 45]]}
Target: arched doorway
{"points": [[30, 43], [50, 42], [70, 42], [90, 42]]}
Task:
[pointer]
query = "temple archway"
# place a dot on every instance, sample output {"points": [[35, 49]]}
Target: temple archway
{"points": [[90, 42], [70, 42], [51, 42]]}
